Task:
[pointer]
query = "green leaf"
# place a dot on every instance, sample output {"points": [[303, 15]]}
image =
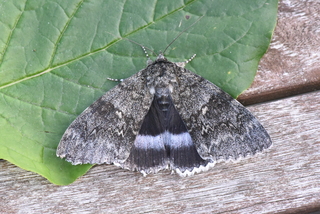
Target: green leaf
{"points": [[55, 57]]}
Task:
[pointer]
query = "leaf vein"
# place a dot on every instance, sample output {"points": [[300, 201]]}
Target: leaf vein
{"points": [[10, 35], [62, 32]]}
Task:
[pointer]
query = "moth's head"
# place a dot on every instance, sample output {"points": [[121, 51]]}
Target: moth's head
{"points": [[162, 74], [161, 57]]}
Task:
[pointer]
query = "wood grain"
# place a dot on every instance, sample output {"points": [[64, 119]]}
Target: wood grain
{"points": [[292, 64], [283, 179]]}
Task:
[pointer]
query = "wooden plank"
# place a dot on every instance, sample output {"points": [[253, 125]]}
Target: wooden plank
{"points": [[292, 64], [284, 179]]}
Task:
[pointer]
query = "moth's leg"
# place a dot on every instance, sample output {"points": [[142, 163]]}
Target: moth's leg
{"points": [[115, 80], [149, 61], [182, 64]]}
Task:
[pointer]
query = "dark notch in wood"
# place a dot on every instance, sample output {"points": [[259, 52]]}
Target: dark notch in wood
{"points": [[278, 93]]}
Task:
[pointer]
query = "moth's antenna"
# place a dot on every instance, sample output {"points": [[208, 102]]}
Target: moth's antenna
{"points": [[180, 34], [143, 47], [155, 54]]}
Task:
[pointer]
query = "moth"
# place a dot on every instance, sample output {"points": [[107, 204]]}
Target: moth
{"points": [[163, 117]]}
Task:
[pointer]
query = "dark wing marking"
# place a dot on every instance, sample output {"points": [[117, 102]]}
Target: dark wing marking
{"points": [[163, 141]]}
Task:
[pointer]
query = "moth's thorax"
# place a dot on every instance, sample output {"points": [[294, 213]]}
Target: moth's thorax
{"points": [[161, 76]]}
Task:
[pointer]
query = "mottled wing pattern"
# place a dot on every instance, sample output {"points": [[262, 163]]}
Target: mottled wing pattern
{"points": [[106, 130], [220, 127]]}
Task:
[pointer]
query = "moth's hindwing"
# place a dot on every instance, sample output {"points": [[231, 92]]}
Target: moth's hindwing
{"points": [[106, 130], [163, 141], [221, 128]]}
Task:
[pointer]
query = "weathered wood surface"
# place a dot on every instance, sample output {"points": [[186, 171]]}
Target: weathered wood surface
{"points": [[285, 178], [292, 64]]}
